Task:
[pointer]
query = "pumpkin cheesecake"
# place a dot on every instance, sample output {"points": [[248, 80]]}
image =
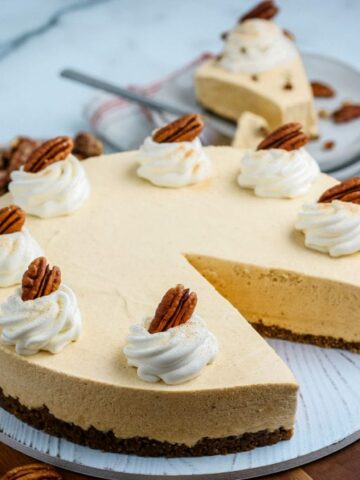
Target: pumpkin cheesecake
{"points": [[260, 71], [170, 281]]}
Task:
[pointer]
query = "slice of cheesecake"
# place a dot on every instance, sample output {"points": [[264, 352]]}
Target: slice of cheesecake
{"points": [[260, 71], [251, 130]]}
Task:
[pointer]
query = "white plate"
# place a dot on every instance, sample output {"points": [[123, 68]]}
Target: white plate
{"points": [[328, 418], [346, 82]]}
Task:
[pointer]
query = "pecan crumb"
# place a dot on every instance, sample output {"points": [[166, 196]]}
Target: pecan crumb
{"points": [[328, 145], [40, 280], [175, 308], [289, 35], [324, 113]]}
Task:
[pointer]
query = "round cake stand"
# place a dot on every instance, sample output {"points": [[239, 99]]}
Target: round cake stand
{"points": [[328, 419]]}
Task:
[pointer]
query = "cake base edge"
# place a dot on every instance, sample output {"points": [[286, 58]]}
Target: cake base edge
{"points": [[273, 331], [42, 419]]}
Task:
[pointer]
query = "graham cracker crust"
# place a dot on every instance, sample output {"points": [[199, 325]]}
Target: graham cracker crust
{"points": [[42, 419], [319, 340]]}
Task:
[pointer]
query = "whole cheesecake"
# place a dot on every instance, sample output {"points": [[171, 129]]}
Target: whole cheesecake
{"points": [[121, 251]]}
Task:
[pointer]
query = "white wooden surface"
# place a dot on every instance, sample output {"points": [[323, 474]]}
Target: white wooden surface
{"points": [[328, 418]]}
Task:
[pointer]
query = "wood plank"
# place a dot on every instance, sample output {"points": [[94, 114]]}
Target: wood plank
{"points": [[296, 474]]}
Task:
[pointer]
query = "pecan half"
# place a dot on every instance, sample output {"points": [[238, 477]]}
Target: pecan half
{"points": [[346, 113], [32, 471], [175, 308], [321, 89], [21, 149], [346, 191], [87, 145], [265, 10], [40, 280], [184, 129], [4, 180], [12, 219], [52, 151], [288, 137]]}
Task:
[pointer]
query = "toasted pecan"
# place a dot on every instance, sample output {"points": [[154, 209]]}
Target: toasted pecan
{"points": [[49, 152], [346, 191], [40, 280], [12, 219], [264, 10], [32, 471], [287, 137], [87, 145], [346, 113], [321, 89], [184, 129], [175, 308], [21, 149]]}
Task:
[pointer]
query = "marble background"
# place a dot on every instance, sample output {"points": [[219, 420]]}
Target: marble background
{"points": [[131, 41]]}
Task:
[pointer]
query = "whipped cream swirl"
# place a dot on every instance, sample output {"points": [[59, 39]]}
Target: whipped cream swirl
{"points": [[17, 250], [278, 173], [173, 164], [174, 356], [332, 228], [46, 323], [255, 46], [59, 189]]}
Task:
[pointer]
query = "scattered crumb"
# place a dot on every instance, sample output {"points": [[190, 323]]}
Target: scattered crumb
{"points": [[328, 145], [255, 78], [288, 85], [289, 35], [262, 132], [324, 113]]}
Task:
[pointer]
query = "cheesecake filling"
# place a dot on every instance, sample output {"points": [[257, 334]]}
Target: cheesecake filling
{"points": [[332, 228], [17, 250], [46, 323], [59, 189], [278, 173], [174, 356], [255, 46], [173, 164]]}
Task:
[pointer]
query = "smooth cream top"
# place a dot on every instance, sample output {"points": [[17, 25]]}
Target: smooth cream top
{"points": [[141, 234]]}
